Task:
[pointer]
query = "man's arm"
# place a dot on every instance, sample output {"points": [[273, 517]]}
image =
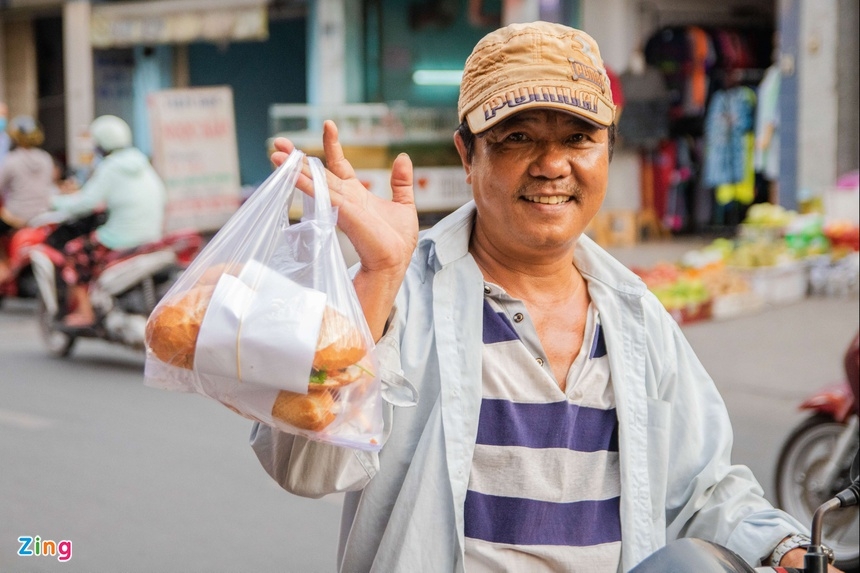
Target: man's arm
{"points": [[384, 234], [308, 468], [92, 195], [707, 496], [4, 181], [314, 469]]}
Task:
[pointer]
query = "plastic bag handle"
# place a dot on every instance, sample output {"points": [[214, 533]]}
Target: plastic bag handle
{"points": [[318, 207]]}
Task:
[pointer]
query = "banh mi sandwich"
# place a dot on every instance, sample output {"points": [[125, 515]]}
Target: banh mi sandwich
{"points": [[173, 328], [339, 358], [337, 362], [312, 411]]}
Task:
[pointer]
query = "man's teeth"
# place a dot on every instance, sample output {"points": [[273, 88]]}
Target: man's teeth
{"points": [[553, 200]]}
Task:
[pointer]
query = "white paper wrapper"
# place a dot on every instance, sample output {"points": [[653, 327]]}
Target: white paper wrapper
{"points": [[264, 335], [252, 401]]}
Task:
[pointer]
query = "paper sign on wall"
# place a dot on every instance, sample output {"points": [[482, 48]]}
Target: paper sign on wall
{"points": [[194, 150]]}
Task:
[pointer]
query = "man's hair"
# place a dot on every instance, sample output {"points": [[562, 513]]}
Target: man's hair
{"points": [[469, 139]]}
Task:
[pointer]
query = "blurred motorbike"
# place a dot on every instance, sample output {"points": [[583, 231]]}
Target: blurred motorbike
{"points": [[690, 554], [815, 462], [21, 283], [818, 472], [122, 296], [53, 229]]}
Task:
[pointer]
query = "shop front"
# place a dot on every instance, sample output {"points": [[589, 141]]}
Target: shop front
{"points": [[725, 105]]}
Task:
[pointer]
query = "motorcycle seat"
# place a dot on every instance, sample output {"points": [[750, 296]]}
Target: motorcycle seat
{"points": [[124, 274]]}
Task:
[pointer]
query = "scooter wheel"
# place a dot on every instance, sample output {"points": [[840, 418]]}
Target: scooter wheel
{"points": [[58, 343], [801, 460]]}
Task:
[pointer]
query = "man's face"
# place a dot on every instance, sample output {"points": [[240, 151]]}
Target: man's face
{"points": [[538, 178]]}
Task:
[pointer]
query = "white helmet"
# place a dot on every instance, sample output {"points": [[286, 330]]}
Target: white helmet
{"points": [[110, 133]]}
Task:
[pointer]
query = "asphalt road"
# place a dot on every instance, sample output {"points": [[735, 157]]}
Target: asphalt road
{"points": [[152, 481], [139, 479]]}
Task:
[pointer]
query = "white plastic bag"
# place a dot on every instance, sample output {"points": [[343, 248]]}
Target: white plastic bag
{"points": [[267, 322]]}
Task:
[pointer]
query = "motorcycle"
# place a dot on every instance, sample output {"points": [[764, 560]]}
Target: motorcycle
{"points": [[123, 295], [21, 283], [53, 229], [815, 461], [690, 554], [818, 471]]}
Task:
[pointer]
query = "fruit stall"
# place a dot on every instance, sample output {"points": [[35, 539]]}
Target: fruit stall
{"points": [[776, 257]]}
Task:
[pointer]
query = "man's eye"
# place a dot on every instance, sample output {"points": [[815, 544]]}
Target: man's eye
{"points": [[516, 136], [577, 138]]}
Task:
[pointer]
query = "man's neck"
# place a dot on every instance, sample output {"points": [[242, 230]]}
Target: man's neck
{"points": [[536, 280]]}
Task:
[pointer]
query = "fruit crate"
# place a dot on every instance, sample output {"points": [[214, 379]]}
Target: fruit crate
{"points": [[736, 304], [780, 284], [839, 277], [692, 313]]}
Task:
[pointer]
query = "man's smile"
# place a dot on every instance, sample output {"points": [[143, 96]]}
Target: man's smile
{"points": [[548, 199]]}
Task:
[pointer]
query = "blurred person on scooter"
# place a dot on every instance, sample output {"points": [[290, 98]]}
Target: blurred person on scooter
{"points": [[64, 182], [125, 184], [26, 181]]}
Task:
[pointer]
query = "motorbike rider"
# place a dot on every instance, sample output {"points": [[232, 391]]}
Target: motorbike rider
{"points": [[125, 184], [26, 181]]}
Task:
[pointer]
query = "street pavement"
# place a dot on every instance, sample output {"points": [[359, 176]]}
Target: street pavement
{"points": [[139, 479], [152, 481]]}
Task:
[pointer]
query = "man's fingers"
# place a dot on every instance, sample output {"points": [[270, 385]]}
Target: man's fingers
{"points": [[334, 158], [402, 180], [283, 148], [278, 158], [283, 144]]}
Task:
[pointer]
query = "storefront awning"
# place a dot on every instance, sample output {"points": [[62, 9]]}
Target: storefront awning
{"points": [[177, 22]]}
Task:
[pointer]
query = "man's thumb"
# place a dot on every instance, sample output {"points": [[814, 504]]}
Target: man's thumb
{"points": [[402, 180]]}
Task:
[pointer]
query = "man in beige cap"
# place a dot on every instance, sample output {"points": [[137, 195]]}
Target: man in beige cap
{"points": [[563, 423]]}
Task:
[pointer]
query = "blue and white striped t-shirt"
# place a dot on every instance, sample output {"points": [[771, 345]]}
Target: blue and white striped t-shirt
{"points": [[544, 489]]}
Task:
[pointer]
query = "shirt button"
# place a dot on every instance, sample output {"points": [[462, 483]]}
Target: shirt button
{"points": [[539, 361], [486, 289], [518, 317]]}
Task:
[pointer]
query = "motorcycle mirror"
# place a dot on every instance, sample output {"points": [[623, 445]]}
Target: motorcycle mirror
{"points": [[691, 554]]}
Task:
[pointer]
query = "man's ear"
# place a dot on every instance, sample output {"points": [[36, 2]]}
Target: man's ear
{"points": [[464, 156]]}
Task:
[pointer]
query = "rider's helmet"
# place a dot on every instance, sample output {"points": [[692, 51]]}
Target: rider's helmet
{"points": [[110, 133], [25, 131]]}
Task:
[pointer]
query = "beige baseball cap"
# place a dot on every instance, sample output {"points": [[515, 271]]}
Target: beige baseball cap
{"points": [[534, 65]]}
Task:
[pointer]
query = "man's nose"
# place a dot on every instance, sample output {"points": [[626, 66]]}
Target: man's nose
{"points": [[552, 160]]}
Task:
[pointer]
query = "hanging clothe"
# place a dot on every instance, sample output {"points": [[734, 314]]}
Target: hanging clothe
{"points": [[669, 51], [729, 145], [663, 167], [742, 191], [645, 121], [766, 159], [681, 181], [702, 59]]}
